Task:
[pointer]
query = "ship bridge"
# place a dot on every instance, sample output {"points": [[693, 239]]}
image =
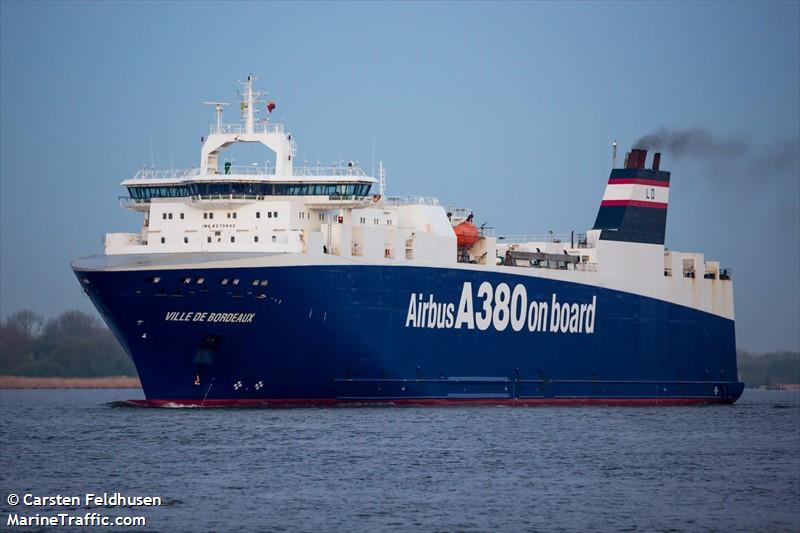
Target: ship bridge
{"points": [[340, 184], [275, 206]]}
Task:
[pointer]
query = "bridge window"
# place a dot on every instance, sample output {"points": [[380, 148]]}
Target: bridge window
{"points": [[248, 189]]}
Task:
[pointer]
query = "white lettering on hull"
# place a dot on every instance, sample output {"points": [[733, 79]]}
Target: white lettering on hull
{"points": [[499, 308], [196, 316]]}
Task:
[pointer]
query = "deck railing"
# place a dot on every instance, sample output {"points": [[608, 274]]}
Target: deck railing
{"points": [[578, 239], [251, 170], [269, 127], [411, 200]]}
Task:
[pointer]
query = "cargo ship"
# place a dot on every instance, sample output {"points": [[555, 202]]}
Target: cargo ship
{"points": [[286, 284]]}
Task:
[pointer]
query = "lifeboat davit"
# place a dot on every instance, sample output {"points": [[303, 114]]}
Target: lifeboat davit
{"points": [[466, 234]]}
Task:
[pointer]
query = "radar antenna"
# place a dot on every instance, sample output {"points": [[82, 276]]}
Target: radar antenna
{"points": [[218, 113]]}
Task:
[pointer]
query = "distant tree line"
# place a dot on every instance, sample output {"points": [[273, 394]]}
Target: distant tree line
{"points": [[769, 369], [73, 344]]}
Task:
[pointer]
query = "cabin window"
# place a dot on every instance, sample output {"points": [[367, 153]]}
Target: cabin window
{"points": [[164, 216], [274, 214], [255, 282], [363, 220], [224, 281], [181, 216], [273, 238], [209, 239], [205, 216], [255, 238], [234, 215], [258, 214], [264, 282], [236, 281], [211, 215], [170, 216], [229, 215], [376, 221], [322, 216], [163, 240], [186, 240], [233, 239], [187, 281], [269, 214]]}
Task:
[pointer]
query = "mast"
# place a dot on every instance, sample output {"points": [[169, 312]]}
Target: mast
{"points": [[249, 104]]}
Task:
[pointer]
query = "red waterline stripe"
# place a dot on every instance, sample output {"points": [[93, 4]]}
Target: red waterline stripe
{"points": [[443, 402], [634, 203], [637, 181]]}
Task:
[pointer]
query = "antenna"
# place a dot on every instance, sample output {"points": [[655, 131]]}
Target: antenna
{"points": [[614, 154], [218, 113], [381, 179]]}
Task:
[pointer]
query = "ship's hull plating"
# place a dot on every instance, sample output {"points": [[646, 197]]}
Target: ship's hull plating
{"points": [[344, 334]]}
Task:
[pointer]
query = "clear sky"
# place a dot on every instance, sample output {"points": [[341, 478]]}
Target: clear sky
{"points": [[507, 108]]}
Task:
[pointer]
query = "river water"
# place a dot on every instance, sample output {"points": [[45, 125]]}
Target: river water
{"points": [[723, 468]]}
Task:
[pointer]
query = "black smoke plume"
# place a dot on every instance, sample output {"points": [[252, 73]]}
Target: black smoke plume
{"points": [[693, 142], [779, 160]]}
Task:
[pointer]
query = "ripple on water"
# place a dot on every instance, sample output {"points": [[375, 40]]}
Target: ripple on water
{"points": [[398, 469]]}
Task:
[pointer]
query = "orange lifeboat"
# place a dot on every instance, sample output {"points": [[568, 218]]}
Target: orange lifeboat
{"points": [[466, 234]]}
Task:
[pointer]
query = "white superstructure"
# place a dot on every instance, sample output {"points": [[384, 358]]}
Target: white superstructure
{"points": [[329, 214]]}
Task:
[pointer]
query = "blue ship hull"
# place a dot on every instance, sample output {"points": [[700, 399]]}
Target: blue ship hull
{"points": [[340, 334]]}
